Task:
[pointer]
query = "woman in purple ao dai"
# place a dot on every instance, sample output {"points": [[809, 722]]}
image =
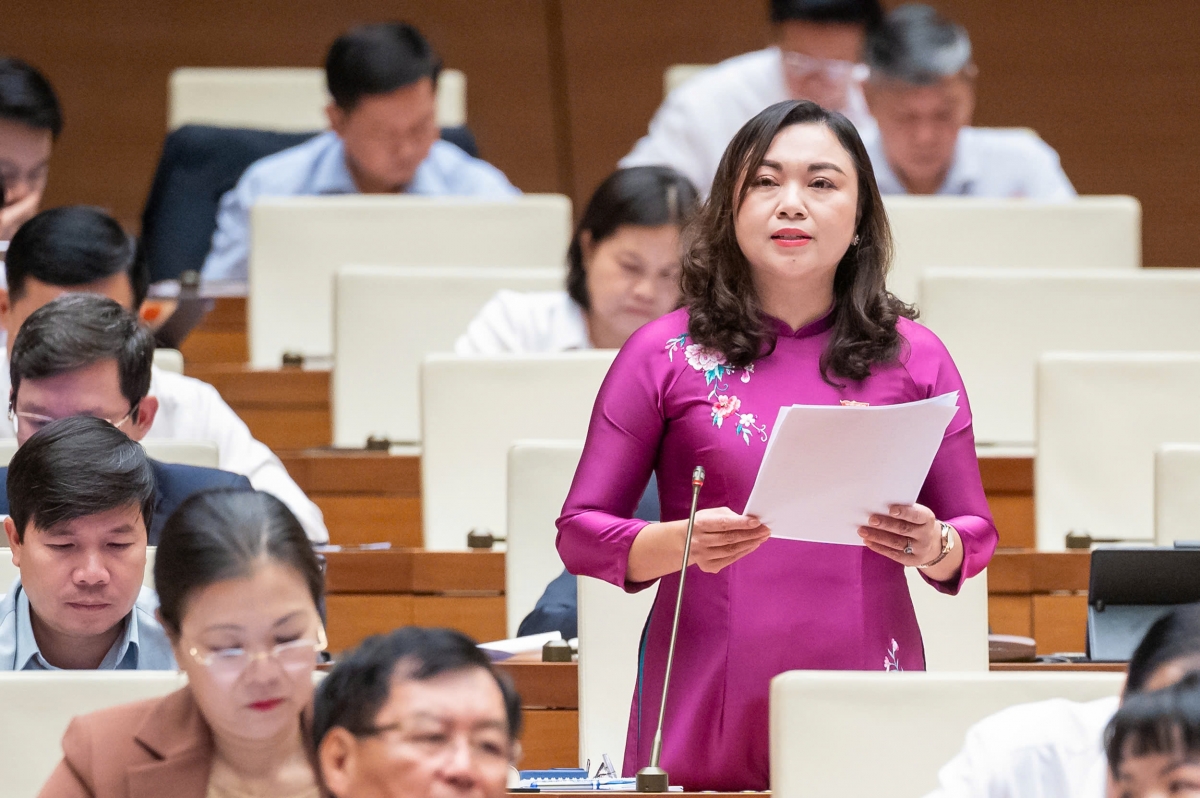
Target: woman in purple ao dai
{"points": [[784, 303]]}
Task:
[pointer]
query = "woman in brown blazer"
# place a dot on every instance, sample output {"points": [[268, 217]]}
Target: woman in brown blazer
{"points": [[239, 588]]}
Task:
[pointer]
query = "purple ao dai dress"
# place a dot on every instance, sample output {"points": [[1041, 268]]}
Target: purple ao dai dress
{"points": [[668, 405]]}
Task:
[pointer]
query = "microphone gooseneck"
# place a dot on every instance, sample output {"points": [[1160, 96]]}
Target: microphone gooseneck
{"points": [[653, 778]]}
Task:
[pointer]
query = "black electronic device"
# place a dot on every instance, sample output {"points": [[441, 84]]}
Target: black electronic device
{"points": [[1129, 588]]}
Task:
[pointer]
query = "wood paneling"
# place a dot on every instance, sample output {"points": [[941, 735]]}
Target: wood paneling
{"points": [[551, 739], [1060, 623], [1010, 615]]}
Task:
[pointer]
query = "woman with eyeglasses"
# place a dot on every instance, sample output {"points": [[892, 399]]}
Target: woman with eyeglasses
{"points": [[239, 588]]}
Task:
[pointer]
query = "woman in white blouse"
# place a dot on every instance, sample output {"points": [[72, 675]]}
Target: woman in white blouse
{"points": [[623, 271]]}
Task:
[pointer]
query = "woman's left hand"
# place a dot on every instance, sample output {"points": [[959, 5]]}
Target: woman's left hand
{"points": [[907, 525]]}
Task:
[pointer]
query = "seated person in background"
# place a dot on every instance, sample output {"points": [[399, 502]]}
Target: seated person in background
{"points": [[81, 495], [239, 587], [30, 121], [84, 355], [623, 268], [418, 713], [1055, 748], [817, 54], [384, 140], [83, 249], [1153, 743], [921, 91]]}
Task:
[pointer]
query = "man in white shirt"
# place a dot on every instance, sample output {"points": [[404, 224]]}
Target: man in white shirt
{"points": [[83, 249], [1055, 749], [817, 54], [921, 91]]}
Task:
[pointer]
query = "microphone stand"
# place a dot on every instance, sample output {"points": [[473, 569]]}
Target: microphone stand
{"points": [[653, 778]]}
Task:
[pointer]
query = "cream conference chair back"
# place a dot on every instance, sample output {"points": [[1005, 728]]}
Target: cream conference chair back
{"points": [[38, 707], [826, 724], [194, 453], [1176, 493], [473, 409], [9, 572], [169, 360], [420, 310], [1100, 419], [997, 322], [959, 232], [539, 478], [610, 634], [954, 629], [299, 243], [278, 98]]}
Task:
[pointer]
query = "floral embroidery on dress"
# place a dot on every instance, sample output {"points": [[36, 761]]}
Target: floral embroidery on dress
{"points": [[891, 660], [714, 368], [852, 403]]}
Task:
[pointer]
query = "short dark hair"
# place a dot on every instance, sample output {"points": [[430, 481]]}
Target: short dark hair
{"points": [[359, 685], [72, 246], [27, 97], [867, 13], [1175, 636], [76, 467], [917, 45], [377, 59], [77, 330], [724, 309], [217, 535], [640, 195], [1165, 721]]}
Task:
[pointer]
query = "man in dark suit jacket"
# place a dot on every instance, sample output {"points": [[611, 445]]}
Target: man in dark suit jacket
{"points": [[85, 355]]}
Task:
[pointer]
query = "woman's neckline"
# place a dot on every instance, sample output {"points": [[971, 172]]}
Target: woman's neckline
{"points": [[782, 329]]}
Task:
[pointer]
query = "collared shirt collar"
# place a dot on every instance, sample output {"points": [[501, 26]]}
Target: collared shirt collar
{"points": [[960, 180], [122, 656], [330, 173]]}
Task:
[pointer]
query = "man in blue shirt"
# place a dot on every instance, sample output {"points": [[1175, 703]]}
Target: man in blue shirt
{"points": [[384, 140], [85, 355], [81, 497]]}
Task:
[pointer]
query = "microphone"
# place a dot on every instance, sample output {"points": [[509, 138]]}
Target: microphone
{"points": [[653, 778]]}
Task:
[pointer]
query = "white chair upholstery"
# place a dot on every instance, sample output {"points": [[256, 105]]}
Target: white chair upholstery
{"points": [[169, 360], [539, 478], [380, 310], [953, 628], [299, 243], [9, 572], [278, 98], [844, 733], [39, 706], [1100, 419], [610, 634], [1176, 493], [997, 322], [678, 74], [473, 409], [957, 232], [194, 453]]}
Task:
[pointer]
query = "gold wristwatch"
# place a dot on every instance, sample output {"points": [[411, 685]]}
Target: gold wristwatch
{"points": [[947, 546]]}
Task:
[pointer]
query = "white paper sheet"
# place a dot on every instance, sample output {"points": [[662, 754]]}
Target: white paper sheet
{"points": [[828, 468]]}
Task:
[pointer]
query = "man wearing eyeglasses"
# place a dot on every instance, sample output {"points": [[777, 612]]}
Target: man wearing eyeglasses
{"points": [[418, 713], [85, 355], [816, 56], [81, 495], [921, 90]]}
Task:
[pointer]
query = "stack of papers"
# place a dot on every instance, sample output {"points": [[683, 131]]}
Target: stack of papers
{"points": [[827, 468]]}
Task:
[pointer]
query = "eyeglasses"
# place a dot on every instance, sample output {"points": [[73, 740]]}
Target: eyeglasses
{"points": [[34, 422], [295, 656], [799, 65], [435, 743]]}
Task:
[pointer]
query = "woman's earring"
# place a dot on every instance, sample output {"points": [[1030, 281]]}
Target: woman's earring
{"points": [[857, 238]]}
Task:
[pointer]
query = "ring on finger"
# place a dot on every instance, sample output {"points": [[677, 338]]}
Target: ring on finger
{"points": [[908, 549]]}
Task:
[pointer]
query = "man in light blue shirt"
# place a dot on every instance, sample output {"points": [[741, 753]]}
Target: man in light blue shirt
{"points": [[921, 91], [81, 496], [384, 140]]}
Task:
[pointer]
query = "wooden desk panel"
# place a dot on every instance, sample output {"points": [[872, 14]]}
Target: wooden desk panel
{"points": [[221, 335], [284, 408], [1042, 595], [551, 739], [1008, 483]]}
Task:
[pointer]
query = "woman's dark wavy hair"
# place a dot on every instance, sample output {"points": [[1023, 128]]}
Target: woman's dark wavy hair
{"points": [[647, 196], [725, 312]]}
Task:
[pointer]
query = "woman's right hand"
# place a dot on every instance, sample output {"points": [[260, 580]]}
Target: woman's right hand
{"points": [[721, 537]]}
